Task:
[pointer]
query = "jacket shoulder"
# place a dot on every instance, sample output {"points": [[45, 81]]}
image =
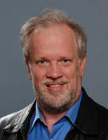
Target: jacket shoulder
{"points": [[95, 108], [92, 118], [98, 110], [102, 114], [5, 120], [13, 119]]}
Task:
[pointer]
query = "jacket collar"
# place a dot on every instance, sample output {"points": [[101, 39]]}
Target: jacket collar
{"points": [[86, 121]]}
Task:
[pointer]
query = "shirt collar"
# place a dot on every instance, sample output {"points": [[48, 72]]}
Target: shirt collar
{"points": [[36, 115], [71, 114]]}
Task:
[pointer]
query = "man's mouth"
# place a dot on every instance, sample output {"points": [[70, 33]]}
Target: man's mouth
{"points": [[54, 86]]}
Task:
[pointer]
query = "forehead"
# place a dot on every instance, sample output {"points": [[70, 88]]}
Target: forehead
{"points": [[53, 39], [54, 29]]}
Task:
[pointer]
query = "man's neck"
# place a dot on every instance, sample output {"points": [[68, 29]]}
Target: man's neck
{"points": [[50, 118]]}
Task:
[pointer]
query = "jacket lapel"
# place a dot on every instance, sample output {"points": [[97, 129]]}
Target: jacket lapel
{"points": [[87, 121]]}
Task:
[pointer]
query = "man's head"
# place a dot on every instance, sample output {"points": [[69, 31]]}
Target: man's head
{"points": [[55, 50], [46, 19]]}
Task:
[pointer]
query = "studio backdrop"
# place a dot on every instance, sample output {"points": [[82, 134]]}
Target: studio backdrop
{"points": [[15, 86]]}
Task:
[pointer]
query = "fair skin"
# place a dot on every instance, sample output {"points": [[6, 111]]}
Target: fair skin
{"points": [[55, 71]]}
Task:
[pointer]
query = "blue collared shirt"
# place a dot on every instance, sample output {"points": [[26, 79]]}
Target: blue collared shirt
{"points": [[39, 131]]}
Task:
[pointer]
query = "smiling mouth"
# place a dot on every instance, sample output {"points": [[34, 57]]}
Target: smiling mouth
{"points": [[53, 87], [55, 84]]}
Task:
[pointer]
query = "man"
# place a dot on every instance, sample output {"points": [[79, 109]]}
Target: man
{"points": [[54, 48]]}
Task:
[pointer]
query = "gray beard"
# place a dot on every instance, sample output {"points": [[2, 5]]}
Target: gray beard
{"points": [[52, 107], [66, 101]]}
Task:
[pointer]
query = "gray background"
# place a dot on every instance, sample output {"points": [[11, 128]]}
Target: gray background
{"points": [[15, 87]]}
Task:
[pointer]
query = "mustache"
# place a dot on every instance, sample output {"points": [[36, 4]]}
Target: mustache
{"points": [[55, 81]]}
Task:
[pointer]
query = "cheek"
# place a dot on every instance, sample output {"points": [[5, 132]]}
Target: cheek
{"points": [[38, 74], [69, 72]]}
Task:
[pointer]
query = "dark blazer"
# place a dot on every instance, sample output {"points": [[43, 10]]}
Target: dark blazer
{"points": [[91, 122]]}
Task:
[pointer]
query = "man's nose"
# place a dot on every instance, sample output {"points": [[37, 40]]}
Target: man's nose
{"points": [[54, 71]]}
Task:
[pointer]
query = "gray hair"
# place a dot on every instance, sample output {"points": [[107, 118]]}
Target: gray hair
{"points": [[48, 18]]}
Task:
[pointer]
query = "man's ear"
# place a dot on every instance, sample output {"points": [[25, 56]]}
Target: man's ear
{"points": [[82, 66], [28, 69]]}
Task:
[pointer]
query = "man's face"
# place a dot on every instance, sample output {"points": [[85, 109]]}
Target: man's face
{"points": [[54, 68]]}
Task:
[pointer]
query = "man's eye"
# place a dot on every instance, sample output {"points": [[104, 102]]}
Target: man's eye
{"points": [[65, 60], [41, 61]]}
